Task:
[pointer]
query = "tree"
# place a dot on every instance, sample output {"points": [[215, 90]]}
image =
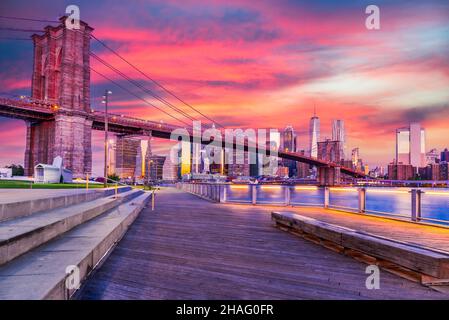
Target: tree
{"points": [[17, 169], [114, 177]]}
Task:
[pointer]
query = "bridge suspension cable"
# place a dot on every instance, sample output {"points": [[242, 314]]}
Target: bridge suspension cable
{"points": [[155, 82], [105, 63], [116, 70], [20, 29], [28, 19], [141, 86], [138, 97]]}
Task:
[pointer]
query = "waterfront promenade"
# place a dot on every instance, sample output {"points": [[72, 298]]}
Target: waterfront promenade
{"points": [[189, 248]]}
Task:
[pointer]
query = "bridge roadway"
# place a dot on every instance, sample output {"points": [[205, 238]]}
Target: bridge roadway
{"points": [[30, 109], [189, 248]]}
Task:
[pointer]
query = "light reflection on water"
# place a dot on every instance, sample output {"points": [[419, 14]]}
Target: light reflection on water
{"points": [[435, 202]]}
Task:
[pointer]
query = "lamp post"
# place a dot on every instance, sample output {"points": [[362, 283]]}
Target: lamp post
{"points": [[106, 163], [149, 173]]}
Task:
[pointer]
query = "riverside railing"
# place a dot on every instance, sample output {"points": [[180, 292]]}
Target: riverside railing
{"points": [[415, 204]]}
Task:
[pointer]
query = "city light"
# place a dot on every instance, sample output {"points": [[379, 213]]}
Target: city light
{"points": [[306, 188], [239, 186], [344, 189], [435, 193], [399, 191], [270, 187]]}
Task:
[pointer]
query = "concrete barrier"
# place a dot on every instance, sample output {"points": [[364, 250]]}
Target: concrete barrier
{"points": [[209, 191], [430, 262], [24, 208], [42, 273]]}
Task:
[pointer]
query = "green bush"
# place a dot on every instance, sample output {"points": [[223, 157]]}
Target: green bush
{"points": [[113, 177]]}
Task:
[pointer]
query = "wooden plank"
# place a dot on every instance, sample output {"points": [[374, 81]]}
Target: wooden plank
{"points": [[193, 249], [423, 260]]}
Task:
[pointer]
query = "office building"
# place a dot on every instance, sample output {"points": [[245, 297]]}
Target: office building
{"points": [[444, 155], [302, 169], [289, 145], [155, 167], [338, 134], [314, 135], [355, 157], [238, 163], [143, 154], [171, 167], [444, 170], [126, 151], [288, 139], [401, 171], [411, 146], [268, 164], [432, 156]]}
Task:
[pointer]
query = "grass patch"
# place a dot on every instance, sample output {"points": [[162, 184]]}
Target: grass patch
{"points": [[14, 184]]}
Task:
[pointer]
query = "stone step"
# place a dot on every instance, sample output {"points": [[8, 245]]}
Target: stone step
{"points": [[41, 273], [20, 235], [44, 200]]}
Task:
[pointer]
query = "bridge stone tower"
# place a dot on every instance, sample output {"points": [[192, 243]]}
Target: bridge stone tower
{"points": [[61, 76]]}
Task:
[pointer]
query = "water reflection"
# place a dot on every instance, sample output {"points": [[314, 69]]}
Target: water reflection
{"points": [[397, 201]]}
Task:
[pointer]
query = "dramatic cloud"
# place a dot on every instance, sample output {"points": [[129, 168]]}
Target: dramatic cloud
{"points": [[260, 64]]}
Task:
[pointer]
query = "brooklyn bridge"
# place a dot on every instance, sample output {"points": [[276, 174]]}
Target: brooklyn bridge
{"points": [[60, 119], [197, 240]]}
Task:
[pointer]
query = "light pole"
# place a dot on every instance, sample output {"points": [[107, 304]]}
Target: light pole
{"points": [[149, 173], [106, 163]]}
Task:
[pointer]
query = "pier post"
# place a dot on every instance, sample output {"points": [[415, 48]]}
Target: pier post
{"points": [[223, 193], [253, 194], [287, 195], [416, 204], [326, 197], [362, 200]]}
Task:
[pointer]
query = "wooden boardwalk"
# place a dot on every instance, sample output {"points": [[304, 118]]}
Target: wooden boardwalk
{"points": [[189, 248]]}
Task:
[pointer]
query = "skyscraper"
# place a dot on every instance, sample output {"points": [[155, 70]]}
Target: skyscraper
{"points": [[417, 145], [338, 134], [355, 155], [432, 156], [403, 146], [288, 139], [289, 145], [314, 135], [445, 155], [171, 167], [411, 145], [156, 167], [268, 164]]}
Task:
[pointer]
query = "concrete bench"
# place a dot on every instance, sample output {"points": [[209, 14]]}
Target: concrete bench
{"points": [[427, 261]]}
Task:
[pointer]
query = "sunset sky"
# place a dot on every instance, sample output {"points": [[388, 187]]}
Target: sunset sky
{"points": [[259, 64]]}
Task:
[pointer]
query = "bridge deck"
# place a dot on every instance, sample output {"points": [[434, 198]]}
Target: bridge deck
{"points": [[189, 248]]}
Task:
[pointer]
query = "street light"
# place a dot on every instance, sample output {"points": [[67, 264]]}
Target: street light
{"points": [[149, 173], [106, 164]]}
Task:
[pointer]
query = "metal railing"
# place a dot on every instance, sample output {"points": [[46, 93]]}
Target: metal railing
{"points": [[414, 204]]}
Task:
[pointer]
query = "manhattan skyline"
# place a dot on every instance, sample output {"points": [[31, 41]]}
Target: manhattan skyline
{"points": [[271, 61]]}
